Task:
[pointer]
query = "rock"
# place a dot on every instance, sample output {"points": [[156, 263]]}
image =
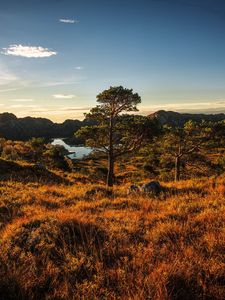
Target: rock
{"points": [[152, 187]]}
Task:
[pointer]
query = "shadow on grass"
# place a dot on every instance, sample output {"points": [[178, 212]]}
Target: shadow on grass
{"points": [[179, 288], [173, 191], [10, 289], [10, 170], [73, 250]]}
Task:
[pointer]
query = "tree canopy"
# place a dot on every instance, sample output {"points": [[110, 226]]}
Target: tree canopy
{"points": [[116, 134]]}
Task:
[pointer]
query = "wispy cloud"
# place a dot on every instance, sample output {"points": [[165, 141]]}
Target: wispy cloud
{"points": [[207, 107], [57, 83], [76, 109], [22, 106], [61, 109], [28, 51], [63, 96], [9, 80], [9, 90], [79, 68], [6, 76], [22, 100], [69, 21]]}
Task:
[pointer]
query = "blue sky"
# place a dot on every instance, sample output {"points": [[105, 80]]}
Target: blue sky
{"points": [[57, 55]]}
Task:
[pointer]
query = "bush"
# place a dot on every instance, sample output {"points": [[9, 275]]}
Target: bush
{"points": [[9, 153], [49, 258]]}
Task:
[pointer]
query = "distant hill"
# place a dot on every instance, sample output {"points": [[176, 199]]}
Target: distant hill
{"points": [[15, 128], [178, 119]]}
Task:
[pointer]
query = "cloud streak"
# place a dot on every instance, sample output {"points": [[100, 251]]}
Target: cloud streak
{"points": [[9, 90], [63, 96], [6, 76], [57, 83], [68, 21], [22, 106], [61, 109], [22, 100], [28, 51]]}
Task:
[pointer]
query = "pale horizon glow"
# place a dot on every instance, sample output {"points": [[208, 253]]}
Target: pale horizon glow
{"points": [[61, 113]]}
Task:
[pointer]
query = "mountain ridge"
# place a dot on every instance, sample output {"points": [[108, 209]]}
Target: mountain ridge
{"points": [[25, 128], [173, 118]]}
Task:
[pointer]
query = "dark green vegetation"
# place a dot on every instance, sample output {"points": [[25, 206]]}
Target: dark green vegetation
{"points": [[115, 135], [14, 128], [169, 146], [176, 119]]}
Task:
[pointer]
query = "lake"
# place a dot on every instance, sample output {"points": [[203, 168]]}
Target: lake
{"points": [[77, 152]]}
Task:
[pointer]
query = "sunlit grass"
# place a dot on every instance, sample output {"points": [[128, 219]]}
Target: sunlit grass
{"points": [[67, 242]]}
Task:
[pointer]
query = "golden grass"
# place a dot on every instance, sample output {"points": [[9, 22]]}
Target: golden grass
{"points": [[65, 242]]}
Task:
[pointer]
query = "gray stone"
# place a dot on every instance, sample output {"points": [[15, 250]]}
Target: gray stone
{"points": [[152, 187]]}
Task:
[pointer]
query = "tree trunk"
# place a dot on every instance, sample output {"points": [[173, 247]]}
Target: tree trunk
{"points": [[110, 176], [177, 168]]}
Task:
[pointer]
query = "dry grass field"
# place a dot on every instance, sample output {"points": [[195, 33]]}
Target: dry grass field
{"points": [[63, 241]]}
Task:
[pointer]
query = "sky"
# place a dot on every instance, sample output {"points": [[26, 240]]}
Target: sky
{"points": [[57, 55]]}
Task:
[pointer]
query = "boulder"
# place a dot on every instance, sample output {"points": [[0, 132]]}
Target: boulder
{"points": [[152, 187]]}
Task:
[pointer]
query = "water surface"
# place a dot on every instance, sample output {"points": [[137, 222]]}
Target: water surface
{"points": [[77, 152]]}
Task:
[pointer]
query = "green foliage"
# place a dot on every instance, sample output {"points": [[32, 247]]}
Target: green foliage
{"points": [[108, 136], [221, 162], [37, 143], [55, 157], [183, 143], [2, 143], [9, 153]]}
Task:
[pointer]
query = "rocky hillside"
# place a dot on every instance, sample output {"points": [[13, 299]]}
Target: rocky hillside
{"points": [[15, 128], [178, 119]]}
